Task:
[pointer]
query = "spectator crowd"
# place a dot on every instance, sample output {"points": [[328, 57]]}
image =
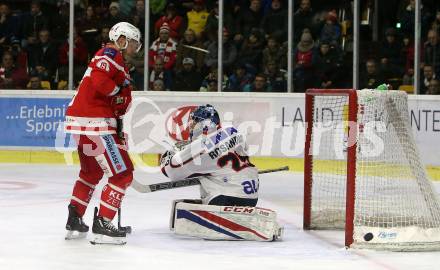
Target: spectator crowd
{"points": [[183, 49]]}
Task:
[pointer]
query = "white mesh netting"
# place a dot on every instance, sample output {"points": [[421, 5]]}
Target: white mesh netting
{"points": [[395, 204]]}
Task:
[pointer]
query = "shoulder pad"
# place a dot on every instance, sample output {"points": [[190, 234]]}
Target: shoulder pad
{"points": [[110, 52]]}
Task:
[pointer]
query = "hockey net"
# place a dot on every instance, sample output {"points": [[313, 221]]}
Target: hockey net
{"points": [[363, 172]]}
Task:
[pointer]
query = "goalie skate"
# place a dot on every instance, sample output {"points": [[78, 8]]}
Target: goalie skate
{"points": [[278, 234], [105, 233]]}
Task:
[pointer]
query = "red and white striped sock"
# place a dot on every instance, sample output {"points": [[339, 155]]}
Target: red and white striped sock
{"points": [[111, 198], [81, 195]]}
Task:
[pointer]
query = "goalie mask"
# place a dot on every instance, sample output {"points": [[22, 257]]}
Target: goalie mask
{"points": [[203, 120]]}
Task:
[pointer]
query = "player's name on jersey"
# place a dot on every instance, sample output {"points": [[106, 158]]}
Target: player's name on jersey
{"points": [[223, 141]]}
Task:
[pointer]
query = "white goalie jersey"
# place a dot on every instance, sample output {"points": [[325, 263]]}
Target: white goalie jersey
{"points": [[219, 160]]}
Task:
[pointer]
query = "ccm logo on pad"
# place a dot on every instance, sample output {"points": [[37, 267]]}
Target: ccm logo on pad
{"points": [[238, 209]]}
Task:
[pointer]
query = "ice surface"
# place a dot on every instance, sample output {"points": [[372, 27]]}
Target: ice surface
{"points": [[33, 212]]}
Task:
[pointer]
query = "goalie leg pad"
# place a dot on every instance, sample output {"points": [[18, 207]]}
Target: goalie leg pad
{"points": [[226, 222]]}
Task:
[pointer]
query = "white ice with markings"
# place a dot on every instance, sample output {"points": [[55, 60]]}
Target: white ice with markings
{"points": [[33, 212]]}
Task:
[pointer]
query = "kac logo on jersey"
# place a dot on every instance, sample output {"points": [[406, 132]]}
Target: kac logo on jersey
{"points": [[177, 123], [103, 64]]}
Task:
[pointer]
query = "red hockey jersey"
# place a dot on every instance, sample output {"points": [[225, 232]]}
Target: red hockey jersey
{"points": [[90, 112]]}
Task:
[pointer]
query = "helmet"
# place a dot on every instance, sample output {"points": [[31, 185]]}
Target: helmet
{"points": [[129, 31], [203, 120]]}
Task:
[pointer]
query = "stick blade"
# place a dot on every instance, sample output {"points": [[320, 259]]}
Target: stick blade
{"points": [[140, 187]]}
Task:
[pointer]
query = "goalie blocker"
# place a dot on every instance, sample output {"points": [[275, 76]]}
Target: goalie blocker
{"points": [[212, 222]]}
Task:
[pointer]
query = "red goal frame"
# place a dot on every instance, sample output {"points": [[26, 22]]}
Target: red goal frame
{"points": [[351, 157]]}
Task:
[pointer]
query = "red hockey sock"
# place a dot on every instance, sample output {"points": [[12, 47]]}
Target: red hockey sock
{"points": [[111, 198], [81, 195]]}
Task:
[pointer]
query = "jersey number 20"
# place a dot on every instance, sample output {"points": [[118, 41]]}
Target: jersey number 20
{"points": [[238, 162]]}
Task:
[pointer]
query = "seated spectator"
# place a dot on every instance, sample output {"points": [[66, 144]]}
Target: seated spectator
{"points": [[252, 49], [184, 51], [328, 65], [275, 21], [80, 55], [35, 83], [275, 78], [229, 53], [304, 57], [100, 40], [137, 15], [114, 15], [211, 27], [259, 85], [390, 52], [372, 78], [407, 18], [165, 48], [32, 23], [59, 22], [158, 85], [273, 52], [43, 56], [135, 66], [197, 18], [88, 22], [302, 19], [408, 77], [20, 55], [407, 52], [209, 84], [248, 19], [8, 25], [159, 73], [432, 51], [87, 26], [157, 8], [188, 79], [434, 87], [174, 21], [428, 76], [239, 79], [331, 30], [11, 76]]}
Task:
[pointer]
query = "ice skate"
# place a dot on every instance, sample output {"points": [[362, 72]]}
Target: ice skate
{"points": [[75, 226], [106, 233]]}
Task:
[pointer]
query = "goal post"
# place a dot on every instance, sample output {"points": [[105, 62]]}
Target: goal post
{"points": [[351, 116], [363, 173]]}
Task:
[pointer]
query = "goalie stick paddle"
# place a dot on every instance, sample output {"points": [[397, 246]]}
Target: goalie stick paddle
{"points": [[145, 188]]}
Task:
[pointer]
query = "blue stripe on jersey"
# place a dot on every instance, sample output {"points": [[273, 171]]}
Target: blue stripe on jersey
{"points": [[220, 136], [196, 219], [112, 150]]}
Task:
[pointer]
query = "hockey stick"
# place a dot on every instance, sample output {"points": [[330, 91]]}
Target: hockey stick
{"points": [[144, 188], [196, 48]]}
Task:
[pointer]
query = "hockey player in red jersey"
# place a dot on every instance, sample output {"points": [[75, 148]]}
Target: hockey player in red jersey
{"points": [[94, 117]]}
